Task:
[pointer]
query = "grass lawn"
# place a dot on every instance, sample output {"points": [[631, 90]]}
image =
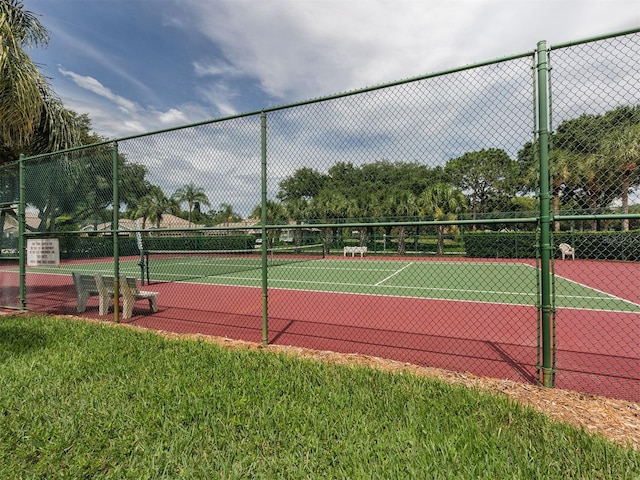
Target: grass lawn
{"points": [[86, 400]]}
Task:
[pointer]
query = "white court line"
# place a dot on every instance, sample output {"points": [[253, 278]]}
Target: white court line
{"points": [[308, 266], [392, 275], [589, 287], [401, 287], [595, 290], [437, 299]]}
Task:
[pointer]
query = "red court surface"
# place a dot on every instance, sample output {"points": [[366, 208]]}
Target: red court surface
{"points": [[598, 352]]}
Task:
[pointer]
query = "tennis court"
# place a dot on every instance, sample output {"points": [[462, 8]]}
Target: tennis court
{"points": [[484, 281], [460, 314]]}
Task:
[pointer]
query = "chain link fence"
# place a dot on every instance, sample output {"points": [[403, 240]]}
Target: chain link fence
{"points": [[595, 94], [402, 221]]}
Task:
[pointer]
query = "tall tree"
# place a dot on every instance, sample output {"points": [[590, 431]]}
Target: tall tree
{"points": [[304, 183], [32, 117], [328, 206], [296, 209], [191, 194], [601, 152], [151, 207], [444, 202], [402, 204], [563, 177], [363, 207], [485, 176], [591, 185], [621, 152], [276, 215], [226, 213]]}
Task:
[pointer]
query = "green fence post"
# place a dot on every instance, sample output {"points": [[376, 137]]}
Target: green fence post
{"points": [[263, 220], [22, 241], [545, 218], [116, 246]]}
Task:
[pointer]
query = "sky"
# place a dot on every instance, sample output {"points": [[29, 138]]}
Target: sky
{"points": [[143, 65]]}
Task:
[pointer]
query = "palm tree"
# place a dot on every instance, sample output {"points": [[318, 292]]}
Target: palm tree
{"points": [[275, 216], [151, 207], [226, 213], [562, 172], [402, 203], [621, 152], [592, 183], [191, 194], [296, 209], [142, 209], [328, 206], [442, 201], [30, 112], [363, 207]]}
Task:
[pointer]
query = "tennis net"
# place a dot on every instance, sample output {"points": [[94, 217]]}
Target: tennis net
{"points": [[181, 265]]}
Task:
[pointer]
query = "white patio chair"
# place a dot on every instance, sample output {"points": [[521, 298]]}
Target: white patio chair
{"points": [[566, 250]]}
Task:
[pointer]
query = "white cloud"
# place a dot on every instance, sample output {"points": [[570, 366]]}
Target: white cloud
{"points": [[283, 51], [219, 95], [214, 69], [91, 54], [114, 116], [299, 50], [173, 117], [93, 85]]}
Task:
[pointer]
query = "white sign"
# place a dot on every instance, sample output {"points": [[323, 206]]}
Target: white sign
{"points": [[43, 252]]}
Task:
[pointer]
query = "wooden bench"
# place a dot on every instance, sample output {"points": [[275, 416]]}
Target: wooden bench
{"points": [[131, 294], [85, 288], [128, 290], [354, 250]]}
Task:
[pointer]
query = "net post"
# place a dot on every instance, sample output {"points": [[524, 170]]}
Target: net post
{"points": [[141, 262]]}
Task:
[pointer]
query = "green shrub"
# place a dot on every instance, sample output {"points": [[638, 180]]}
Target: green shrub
{"points": [[73, 247], [500, 244], [609, 245]]}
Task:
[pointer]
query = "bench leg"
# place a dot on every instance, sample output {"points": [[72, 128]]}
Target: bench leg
{"points": [[82, 302], [153, 303], [129, 303], [105, 303], [127, 307]]}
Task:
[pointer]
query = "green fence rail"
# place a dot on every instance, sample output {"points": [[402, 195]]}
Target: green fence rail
{"points": [[483, 219]]}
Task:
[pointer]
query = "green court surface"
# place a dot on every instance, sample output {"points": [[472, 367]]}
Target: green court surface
{"points": [[470, 281]]}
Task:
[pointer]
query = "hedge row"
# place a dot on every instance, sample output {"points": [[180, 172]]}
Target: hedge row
{"points": [[427, 244], [500, 244], [95, 247], [609, 245], [603, 245]]}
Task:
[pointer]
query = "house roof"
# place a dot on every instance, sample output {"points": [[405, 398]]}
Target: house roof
{"points": [[11, 224], [167, 221]]}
